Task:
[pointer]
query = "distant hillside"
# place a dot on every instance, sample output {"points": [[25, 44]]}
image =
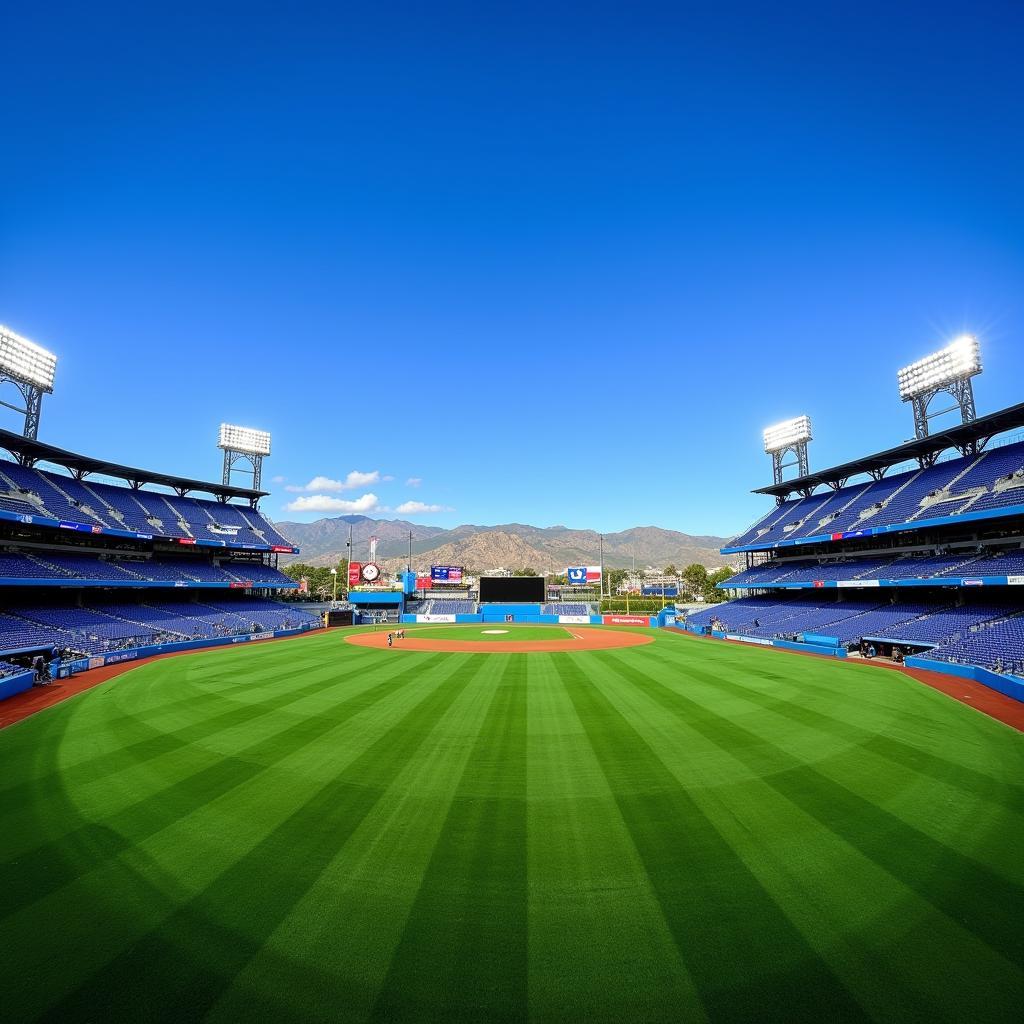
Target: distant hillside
{"points": [[512, 545]]}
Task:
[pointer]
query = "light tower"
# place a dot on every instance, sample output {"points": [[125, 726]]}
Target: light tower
{"points": [[30, 368], [948, 371], [243, 444], [788, 438]]}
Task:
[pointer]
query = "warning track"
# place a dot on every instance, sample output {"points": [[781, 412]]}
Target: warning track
{"points": [[582, 639]]}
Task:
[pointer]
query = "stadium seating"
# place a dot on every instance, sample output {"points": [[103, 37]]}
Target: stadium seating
{"points": [[61, 565], [888, 567], [993, 480], [446, 606], [566, 608], [56, 496], [941, 626], [852, 621], [110, 626], [997, 645]]}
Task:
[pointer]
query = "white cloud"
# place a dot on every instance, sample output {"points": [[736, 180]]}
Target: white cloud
{"points": [[278, 479], [352, 482], [413, 507], [324, 503], [414, 481]]}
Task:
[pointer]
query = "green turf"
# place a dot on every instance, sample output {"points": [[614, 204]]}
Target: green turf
{"points": [[683, 831], [505, 632]]}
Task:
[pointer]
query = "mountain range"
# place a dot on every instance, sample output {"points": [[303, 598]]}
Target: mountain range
{"points": [[511, 545]]}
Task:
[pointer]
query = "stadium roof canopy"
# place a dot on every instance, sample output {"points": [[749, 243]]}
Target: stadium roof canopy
{"points": [[965, 437], [28, 452]]}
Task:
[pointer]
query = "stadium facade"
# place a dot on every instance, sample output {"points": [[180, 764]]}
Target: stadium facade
{"points": [[102, 563], [915, 553]]}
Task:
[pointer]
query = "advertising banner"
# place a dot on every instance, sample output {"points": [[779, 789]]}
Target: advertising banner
{"points": [[575, 620], [354, 569], [625, 620], [858, 583], [435, 618], [424, 582], [760, 641]]}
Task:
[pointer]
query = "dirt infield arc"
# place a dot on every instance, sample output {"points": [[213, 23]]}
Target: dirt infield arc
{"points": [[581, 638]]}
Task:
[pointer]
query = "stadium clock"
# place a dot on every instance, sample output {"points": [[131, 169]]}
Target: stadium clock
{"points": [[370, 572]]}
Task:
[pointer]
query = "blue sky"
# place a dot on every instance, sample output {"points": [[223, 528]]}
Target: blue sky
{"points": [[551, 263]]}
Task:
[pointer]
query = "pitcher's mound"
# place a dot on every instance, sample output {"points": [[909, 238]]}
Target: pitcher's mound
{"points": [[581, 638]]}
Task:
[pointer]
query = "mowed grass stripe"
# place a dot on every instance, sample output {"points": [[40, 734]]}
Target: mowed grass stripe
{"points": [[981, 900], [40, 792], [748, 960], [179, 969], [137, 700], [598, 939], [33, 874], [907, 779], [463, 952], [330, 956], [103, 912], [846, 720], [900, 956]]}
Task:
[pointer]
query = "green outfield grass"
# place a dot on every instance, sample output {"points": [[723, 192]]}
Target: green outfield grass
{"points": [[493, 631], [684, 831]]}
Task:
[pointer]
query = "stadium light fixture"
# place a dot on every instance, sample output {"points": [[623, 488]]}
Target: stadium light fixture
{"points": [[948, 371], [244, 444], [31, 369], [785, 435], [244, 439], [25, 360], [960, 359], [788, 437]]}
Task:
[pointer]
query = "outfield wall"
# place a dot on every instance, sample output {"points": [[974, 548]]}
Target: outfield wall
{"points": [[526, 618], [1011, 686], [18, 683], [823, 648], [68, 668]]}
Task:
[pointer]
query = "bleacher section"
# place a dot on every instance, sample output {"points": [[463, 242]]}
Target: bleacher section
{"points": [[54, 565], [109, 626], [997, 646], [848, 621], [973, 483], [888, 567], [106, 507], [566, 608], [446, 606]]}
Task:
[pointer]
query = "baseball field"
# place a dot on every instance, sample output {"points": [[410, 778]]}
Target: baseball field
{"points": [[681, 831]]}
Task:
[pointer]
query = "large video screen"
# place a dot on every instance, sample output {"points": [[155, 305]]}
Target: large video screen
{"points": [[508, 589]]}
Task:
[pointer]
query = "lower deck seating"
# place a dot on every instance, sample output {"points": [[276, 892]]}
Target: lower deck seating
{"points": [[95, 629], [446, 606], [997, 645], [566, 608], [849, 621]]}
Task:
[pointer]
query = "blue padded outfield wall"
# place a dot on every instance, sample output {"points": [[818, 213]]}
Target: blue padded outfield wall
{"points": [[18, 683], [139, 653], [1011, 686]]}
